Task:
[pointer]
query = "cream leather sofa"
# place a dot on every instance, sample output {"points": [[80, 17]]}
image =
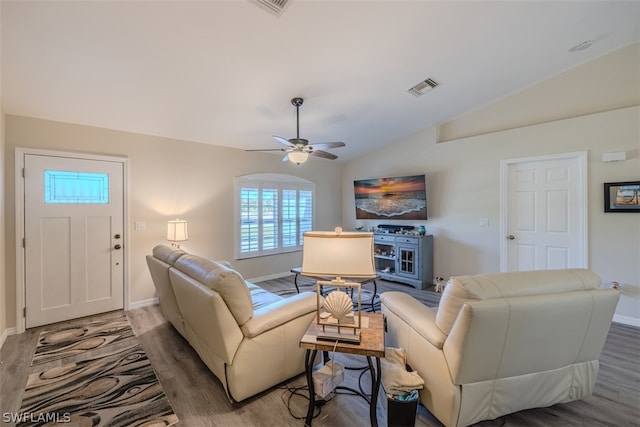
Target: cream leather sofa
{"points": [[501, 343], [249, 338]]}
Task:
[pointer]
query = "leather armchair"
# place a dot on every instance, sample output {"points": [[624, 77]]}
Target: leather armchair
{"points": [[501, 343]]}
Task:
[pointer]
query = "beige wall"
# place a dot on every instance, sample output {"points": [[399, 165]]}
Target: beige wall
{"points": [[463, 179], [604, 84], [170, 178], [463, 175]]}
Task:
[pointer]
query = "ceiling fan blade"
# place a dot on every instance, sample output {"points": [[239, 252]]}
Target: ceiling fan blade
{"points": [[285, 158], [269, 149], [283, 140], [323, 154], [325, 145]]}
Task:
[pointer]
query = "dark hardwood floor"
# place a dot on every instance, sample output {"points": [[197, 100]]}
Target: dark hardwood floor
{"points": [[199, 399]]}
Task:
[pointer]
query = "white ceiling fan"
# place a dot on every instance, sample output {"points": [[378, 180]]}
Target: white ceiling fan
{"points": [[298, 149]]}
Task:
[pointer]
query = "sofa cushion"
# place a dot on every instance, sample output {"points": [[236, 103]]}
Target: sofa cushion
{"points": [[223, 280], [167, 254], [461, 289], [261, 298]]}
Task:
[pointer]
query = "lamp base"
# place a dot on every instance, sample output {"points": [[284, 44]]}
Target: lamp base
{"points": [[339, 336]]}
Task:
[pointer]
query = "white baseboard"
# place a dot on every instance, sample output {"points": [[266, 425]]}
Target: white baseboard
{"points": [[5, 334], [269, 277], [143, 303], [627, 320]]}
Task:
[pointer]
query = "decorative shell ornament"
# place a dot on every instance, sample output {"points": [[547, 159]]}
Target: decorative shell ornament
{"points": [[339, 304]]}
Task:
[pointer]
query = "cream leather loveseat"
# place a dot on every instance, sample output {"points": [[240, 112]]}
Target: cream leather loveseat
{"points": [[501, 343], [249, 338]]}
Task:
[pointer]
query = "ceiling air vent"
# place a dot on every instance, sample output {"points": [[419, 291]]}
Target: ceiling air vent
{"points": [[274, 6], [582, 46], [423, 87]]}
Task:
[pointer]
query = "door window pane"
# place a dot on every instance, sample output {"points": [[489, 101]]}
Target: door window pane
{"points": [[76, 187]]}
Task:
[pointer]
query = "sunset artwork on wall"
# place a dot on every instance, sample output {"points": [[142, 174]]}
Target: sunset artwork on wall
{"points": [[391, 198], [622, 196]]}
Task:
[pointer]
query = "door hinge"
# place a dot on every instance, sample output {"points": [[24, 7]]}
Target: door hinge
{"points": [[24, 312], [23, 172]]}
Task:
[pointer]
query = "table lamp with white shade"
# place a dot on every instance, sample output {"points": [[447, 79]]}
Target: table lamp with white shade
{"points": [[341, 255], [177, 232]]}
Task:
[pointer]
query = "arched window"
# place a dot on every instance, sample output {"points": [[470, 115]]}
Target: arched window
{"points": [[273, 212]]}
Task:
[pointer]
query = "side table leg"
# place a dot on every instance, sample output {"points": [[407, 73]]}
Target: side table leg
{"points": [[295, 282], [375, 292], [309, 357], [375, 386]]}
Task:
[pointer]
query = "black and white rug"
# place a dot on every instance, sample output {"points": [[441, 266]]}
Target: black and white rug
{"points": [[109, 383], [78, 339]]}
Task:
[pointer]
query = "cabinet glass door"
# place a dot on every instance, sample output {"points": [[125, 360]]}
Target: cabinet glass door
{"points": [[407, 259], [385, 257]]}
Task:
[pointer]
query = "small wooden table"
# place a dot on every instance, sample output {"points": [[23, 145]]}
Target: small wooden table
{"points": [[371, 345], [298, 271]]}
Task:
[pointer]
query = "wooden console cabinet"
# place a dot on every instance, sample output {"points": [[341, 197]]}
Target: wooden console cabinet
{"points": [[404, 258]]}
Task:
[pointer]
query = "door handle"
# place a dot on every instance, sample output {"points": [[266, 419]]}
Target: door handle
{"points": [[511, 237], [117, 247]]}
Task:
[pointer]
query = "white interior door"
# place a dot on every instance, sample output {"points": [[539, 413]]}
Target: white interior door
{"points": [[73, 228], [544, 213]]}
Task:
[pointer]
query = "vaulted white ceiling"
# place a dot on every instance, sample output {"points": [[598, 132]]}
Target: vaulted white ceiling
{"points": [[223, 72]]}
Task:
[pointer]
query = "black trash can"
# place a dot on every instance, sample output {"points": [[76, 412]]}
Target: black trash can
{"points": [[401, 409], [401, 413]]}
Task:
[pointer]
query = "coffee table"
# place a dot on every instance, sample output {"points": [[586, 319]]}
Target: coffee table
{"points": [[298, 271], [371, 345]]}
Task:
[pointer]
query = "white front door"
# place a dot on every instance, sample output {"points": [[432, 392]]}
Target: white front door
{"points": [[73, 237], [544, 213]]}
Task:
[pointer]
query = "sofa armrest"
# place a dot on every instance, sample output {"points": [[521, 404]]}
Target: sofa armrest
{"points": [[278, 313], [225, 263], [419, 317]]}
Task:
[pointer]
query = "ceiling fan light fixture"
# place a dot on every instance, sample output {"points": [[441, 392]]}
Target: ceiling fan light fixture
{"points": [[298, 157], [298, 149]]}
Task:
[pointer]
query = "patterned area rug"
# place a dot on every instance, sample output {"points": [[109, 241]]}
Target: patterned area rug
{"points": [[72, 340], [111, 385]]}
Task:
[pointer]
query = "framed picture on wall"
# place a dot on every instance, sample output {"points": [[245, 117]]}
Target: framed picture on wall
{"points": [[622, 196]]}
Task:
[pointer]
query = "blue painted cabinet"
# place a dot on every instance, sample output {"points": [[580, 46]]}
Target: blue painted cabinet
{"points": [[404, 258]]}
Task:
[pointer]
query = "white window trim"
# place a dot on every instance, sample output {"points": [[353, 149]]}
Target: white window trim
{"points": [[282, 182]]}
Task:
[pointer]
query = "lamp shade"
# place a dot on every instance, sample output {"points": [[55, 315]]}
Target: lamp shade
{"points": [[339, 254], [177, 231]]}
